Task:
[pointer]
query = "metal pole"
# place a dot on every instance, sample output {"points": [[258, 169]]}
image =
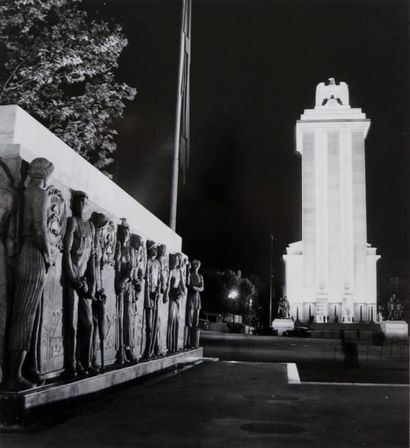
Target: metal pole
{"points": [[175, 161], [270, 279]]}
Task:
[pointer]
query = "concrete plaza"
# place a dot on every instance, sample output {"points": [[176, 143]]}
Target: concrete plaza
{"points": [[230, 404]]}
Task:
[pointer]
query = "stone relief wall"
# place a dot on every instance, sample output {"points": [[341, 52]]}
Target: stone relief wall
{"points": [[101, 286], [52, 329], [52, 347]]}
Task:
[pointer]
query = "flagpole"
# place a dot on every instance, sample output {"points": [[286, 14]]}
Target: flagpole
{"points": [[175, 161], [271, 286]]}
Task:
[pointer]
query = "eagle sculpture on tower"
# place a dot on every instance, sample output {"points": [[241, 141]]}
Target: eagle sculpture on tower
{"points": [[332, 94]]}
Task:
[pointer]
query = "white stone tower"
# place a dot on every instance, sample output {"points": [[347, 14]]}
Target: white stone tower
{"points": [[331, 273]]}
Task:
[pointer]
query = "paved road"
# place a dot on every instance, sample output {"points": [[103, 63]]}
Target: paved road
{"points": [[240, 347], [224, 404], [317, 359], [230, 404]]}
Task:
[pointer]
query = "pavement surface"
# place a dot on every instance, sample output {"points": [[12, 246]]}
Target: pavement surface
{"points": [[229, 404], [317, 359]]}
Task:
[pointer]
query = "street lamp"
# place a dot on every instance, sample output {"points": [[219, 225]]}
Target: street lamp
{"points": [[271, 277], [233, 294]]}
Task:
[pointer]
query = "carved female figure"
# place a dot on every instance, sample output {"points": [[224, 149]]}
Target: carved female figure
{"points": [[175, 294], [152, 292], [124, 289], [163, 299], [138, 247], [31, 269], [195, 285]]}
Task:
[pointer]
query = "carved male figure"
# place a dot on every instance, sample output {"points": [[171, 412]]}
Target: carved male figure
{"points": [[195, 285], [175, 294], [79, 284], [124, 289], [30, 275], [98, 305], [152, 292]]}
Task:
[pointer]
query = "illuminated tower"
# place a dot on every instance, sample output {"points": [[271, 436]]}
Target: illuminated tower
{"points": [[331, 273]]}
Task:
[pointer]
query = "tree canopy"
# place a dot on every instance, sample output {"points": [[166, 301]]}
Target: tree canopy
{"points": [[245, 300], [60, 66]]}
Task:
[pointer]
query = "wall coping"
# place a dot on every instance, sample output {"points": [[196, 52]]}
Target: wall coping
{"points": [[32, 140]]}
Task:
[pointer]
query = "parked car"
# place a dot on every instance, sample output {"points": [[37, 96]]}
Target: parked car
{"points": [[265, 331], [298, 332], [235, 327]]}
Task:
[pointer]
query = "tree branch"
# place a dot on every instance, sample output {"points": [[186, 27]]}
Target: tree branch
{"points": [[14, 72], [16, 86]]}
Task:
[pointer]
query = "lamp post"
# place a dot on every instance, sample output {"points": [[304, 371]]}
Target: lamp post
{"points": [[271, 286], [233, 294], [250, 314]]}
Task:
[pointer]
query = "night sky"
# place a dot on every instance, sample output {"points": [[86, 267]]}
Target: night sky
{"points": [[255, 67]]}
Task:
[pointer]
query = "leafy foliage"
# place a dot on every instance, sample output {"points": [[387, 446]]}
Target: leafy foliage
{"points": [[59, 66], [246, 302]]}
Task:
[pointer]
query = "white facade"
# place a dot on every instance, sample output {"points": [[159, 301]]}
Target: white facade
{"points": [[331, 273]]}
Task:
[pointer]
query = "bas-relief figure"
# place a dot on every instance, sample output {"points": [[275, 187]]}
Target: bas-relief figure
{"points": [[184, 267], [138, 247], [125, 283], [100, 221], [108, 245], [151, 298], [51, 346], [8, 216], [195, 283], [176, 290], [163, 299], [56, 220], [78, 289], [32, 265]]}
